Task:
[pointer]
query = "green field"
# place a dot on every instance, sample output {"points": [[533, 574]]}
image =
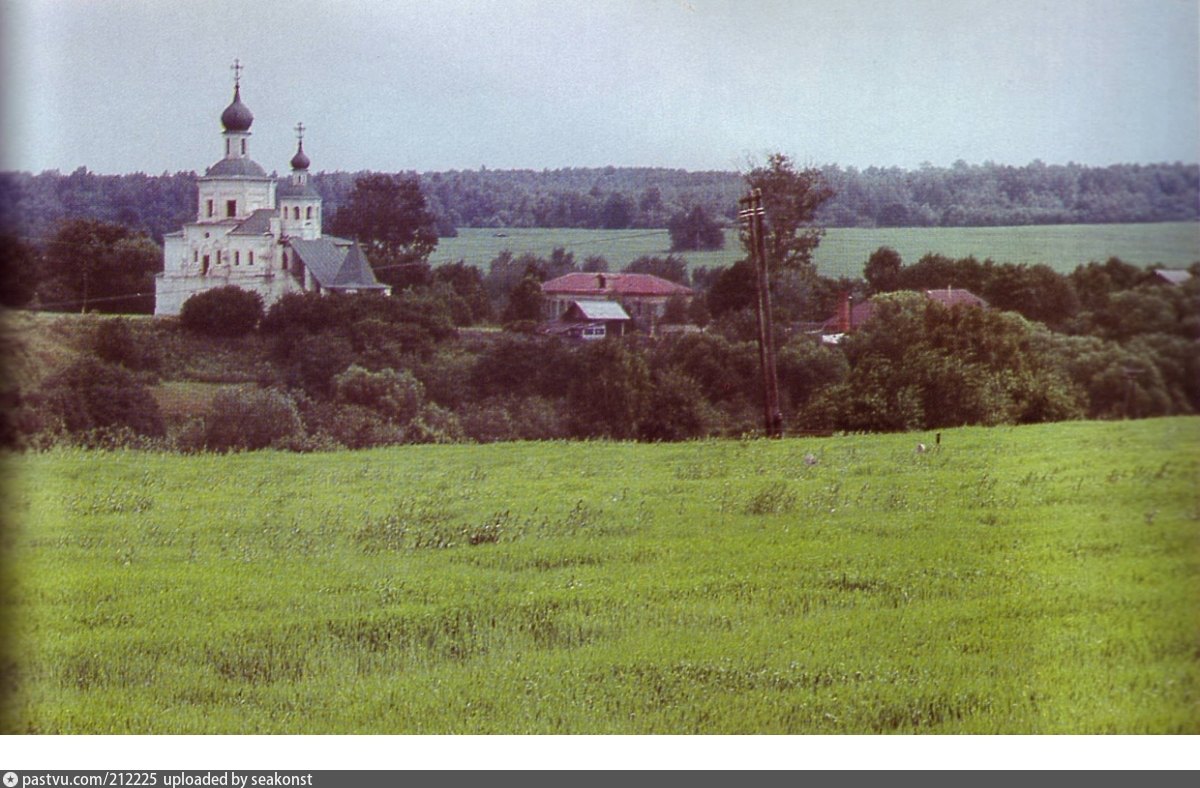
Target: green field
{"points": [[1015, 580], [844, 251]]}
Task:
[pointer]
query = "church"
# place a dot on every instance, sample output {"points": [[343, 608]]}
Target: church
{"points": [[256, 231]]}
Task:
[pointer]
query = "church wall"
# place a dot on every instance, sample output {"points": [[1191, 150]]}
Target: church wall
{"points": [[251, 194]]}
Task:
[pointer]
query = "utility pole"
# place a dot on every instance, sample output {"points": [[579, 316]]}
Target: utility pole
{"points": [[752, 211]]}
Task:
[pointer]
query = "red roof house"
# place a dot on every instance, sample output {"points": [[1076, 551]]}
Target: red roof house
{"points": [[644, 295], [851, 316]]}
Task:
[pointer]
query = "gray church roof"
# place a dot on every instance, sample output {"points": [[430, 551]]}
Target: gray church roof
{"points": [[232, 168], [288, 189], [336, 263], [257, 223]]}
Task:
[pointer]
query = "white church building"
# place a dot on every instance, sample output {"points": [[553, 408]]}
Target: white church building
{"points": [[256, 231]]}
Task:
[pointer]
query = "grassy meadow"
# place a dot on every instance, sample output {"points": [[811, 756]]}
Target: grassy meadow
{"points": [[1037, 579], [844, 250]]}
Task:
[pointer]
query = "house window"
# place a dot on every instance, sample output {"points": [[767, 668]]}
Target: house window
{"points": [[209, 207]]}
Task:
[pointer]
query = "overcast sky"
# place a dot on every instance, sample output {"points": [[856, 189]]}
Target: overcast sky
{"points": [[126, 86]]}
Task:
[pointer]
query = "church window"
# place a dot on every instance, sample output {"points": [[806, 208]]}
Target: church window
{"points": [[209, 207], [250, 261], [195, 255], [226, 147], [237, 257], [243, 147], [218, 257], [283, 265], [296, 212], [204, 266], [231, 207], [308, 212]]}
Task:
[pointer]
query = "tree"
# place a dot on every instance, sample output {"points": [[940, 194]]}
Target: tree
{"points": [[618, 212], [388, 215], [18, 272], [524, 302], [467, 283], [695, 230], [791, 199], [882, 271], [92, 265], [671, 268]]}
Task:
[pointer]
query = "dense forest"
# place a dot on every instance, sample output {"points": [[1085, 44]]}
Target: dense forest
{"points": [[32, 206]]}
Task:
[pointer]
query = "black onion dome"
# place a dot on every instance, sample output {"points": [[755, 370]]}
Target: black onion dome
{"points": [[300, 160], [237, 116]]}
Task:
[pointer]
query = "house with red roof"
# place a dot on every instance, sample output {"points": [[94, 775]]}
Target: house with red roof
{"points": [[644, 296], [851, 316]]}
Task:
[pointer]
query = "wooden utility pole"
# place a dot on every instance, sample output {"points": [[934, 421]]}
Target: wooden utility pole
{"points": [[752, 212]]}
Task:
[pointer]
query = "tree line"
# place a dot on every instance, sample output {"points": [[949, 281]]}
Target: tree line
{"points": [[617, 198]]}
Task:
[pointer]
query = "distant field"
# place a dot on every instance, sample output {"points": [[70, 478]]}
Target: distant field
{"points": [[1014, 580], [844, 251]]}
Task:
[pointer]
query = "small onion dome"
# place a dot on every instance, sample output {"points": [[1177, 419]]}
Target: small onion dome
{"points": [[300, 160], [237, 116]]}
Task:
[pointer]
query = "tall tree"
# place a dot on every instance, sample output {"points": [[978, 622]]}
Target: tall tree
{"points": [[882, 271], [91, 265], [388, 215], [791, 198], [695, 230]]}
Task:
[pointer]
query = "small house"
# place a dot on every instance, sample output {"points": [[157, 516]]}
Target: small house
{"points": [[645, 296], [590, 320]]}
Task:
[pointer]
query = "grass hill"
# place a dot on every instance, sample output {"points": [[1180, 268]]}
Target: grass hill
{"points": [[1037, 579]]}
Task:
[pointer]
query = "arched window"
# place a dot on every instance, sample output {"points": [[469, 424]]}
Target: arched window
{"points": [[296, 212], [308, 212]]}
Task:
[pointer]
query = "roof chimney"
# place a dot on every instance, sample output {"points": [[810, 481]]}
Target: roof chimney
{"points": [[843, 312]]}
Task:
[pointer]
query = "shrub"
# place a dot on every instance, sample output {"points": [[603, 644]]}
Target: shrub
{"points": [[92, 395], [250, 419], [227, 311], [113, 341], [396, 396]]}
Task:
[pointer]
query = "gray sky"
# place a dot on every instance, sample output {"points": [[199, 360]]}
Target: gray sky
{"points": [[139, 85]]}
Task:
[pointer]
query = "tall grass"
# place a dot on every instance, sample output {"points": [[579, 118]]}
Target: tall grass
{"points": [[1016, 580]]}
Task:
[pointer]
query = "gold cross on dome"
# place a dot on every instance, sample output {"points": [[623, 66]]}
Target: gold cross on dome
{"points": [[236, 68], [300, 131]]}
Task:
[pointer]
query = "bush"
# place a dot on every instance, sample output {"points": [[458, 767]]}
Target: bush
{"points": [[227, 311], [113, 341], [396, 397], [251, 419], [91, 395]]}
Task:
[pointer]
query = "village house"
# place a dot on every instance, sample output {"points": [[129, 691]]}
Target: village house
{"points": [[256, 232], [643, 296], [851, 316], [590, 320]]}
